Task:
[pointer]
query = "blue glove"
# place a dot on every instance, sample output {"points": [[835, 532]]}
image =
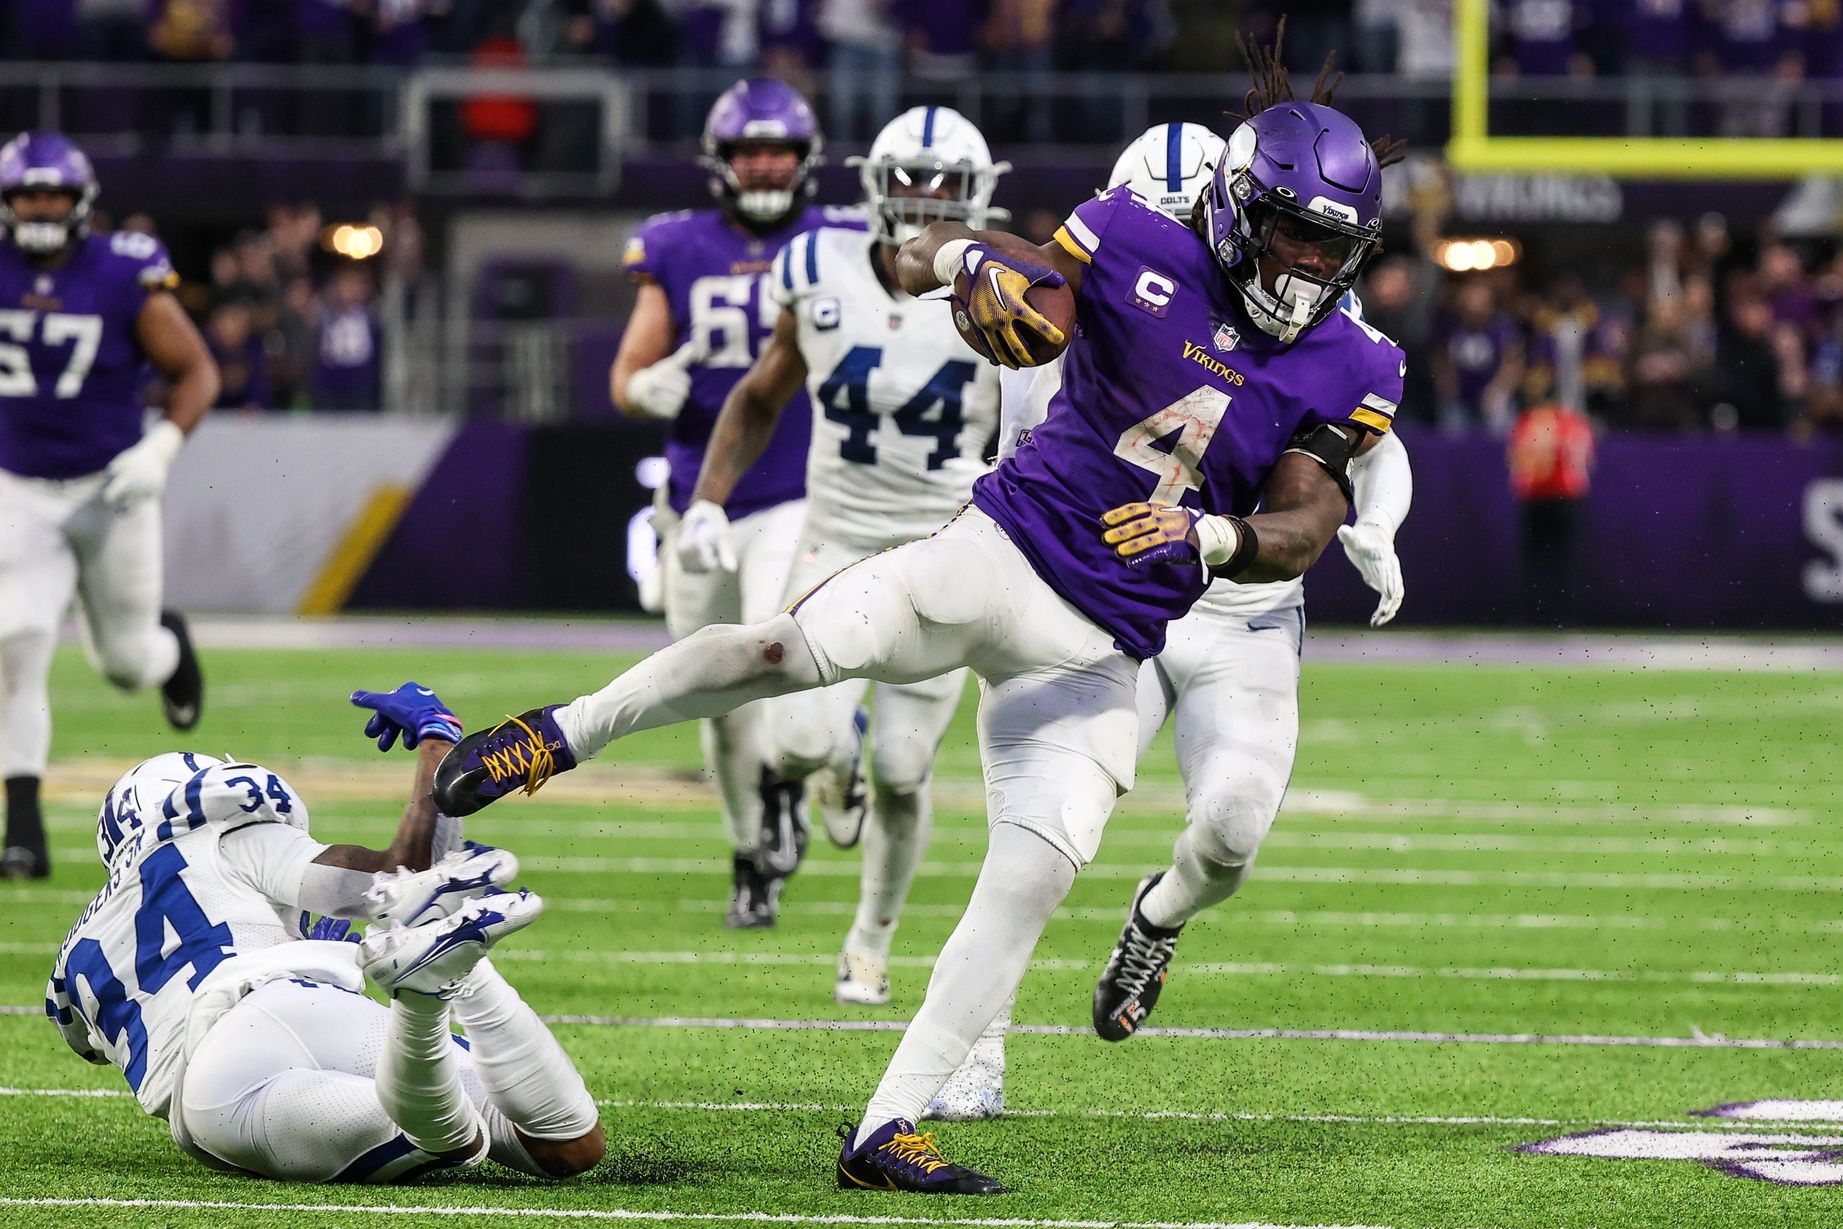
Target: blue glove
{"points": [[330, 929], [412, 711]]}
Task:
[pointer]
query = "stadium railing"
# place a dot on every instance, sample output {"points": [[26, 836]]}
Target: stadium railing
{"points": [[253, 110]]}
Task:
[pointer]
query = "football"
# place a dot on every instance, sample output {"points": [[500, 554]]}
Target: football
{"points": [[1057, 303]]}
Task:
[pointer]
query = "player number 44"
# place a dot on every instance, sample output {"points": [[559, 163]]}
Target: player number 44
{"points": [[1171, 443], [83, 333]]}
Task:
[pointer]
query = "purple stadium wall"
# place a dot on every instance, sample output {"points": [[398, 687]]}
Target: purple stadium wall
{"points": [[1677, 533]]}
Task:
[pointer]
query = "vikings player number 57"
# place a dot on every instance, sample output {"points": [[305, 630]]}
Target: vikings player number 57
{"points": [[81, 470]]}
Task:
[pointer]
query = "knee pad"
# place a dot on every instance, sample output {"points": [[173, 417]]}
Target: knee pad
{"points": [[21, 639], [797, 745], [901, 764], [1230, 819]]}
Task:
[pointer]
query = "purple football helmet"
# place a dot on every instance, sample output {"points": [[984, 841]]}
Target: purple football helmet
{"points": [[1300, 181], [760, 111], [45, 160]]}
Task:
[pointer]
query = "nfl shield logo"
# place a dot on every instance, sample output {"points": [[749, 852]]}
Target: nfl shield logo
{"points": [[1226, 338]]}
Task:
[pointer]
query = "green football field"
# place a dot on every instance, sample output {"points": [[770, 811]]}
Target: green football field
{"points": [[1505, 906]]}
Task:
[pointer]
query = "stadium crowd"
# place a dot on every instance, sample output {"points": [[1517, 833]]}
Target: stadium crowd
{"points": [[1709, 331], [293, 324]]}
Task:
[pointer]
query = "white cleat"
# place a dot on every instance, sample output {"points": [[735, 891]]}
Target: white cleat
{"points": [[975, 1091], [415, 897], [434, 957], [862, 978]]}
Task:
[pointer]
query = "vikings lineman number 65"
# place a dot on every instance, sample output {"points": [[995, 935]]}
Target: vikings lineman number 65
{"points": [[720, 316], [1171, 443]]}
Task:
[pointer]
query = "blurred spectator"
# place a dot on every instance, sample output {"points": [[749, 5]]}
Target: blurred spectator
{"points": [[1373, 44], [1400, 295], [1655, 43], [939, 36], [291, 346], [1314, 29], [187, 32], [113, 29], [1759, 380], [347, 348], [637, 33], [1753, 38], [866, 66], [791, 46], [1667, 370], [1551, 459], [242, 365], [1560, 330], [1538, 38], [1478, 361], [499, 126], [1017, 37]]}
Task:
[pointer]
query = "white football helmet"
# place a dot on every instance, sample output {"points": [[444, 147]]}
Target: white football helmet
{"points": [[928, 150], [135, 799], [1170, 165]]}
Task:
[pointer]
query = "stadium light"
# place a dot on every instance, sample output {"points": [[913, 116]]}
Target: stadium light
{"points": [[360, 242], [1475, 255]]}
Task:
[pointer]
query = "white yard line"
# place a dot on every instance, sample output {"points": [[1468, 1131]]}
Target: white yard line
{"points": [[1696, 1041], [624, 1214], [1208, 968], [1357, 875], [1385, 1120], [1230, 916]]}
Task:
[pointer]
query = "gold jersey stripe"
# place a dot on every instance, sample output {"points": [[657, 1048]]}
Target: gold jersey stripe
{"points": [[1072, 247]]}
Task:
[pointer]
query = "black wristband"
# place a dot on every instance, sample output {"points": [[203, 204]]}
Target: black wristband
{"points": [[1248, 545]]}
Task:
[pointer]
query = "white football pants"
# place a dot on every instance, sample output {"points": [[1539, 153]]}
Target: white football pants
{"points": [[59, 540], [734, 749], [1231, 681], [1058, 728], [284, 1086], [811, 730]]}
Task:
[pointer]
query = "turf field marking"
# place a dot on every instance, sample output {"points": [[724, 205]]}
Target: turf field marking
{"points": [[1229, 968], [1763, 1123], [766, 1218], [1270, 917], [1358, 875], [1696, 1041], [1328, 918], [1212, 968]]}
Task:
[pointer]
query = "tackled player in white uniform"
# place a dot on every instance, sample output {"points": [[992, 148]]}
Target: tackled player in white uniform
{"points": [[903, 411], [196, 972]]}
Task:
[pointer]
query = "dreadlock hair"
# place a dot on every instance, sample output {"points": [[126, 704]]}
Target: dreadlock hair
{"points": [[1273, 85]]}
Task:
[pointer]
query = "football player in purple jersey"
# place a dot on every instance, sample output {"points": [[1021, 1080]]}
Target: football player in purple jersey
{"points": [[703, 316], [1211, 403], [82, 317]]}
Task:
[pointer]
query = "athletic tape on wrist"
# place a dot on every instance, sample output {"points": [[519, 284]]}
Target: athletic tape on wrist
{"points": [[948, 259]]}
